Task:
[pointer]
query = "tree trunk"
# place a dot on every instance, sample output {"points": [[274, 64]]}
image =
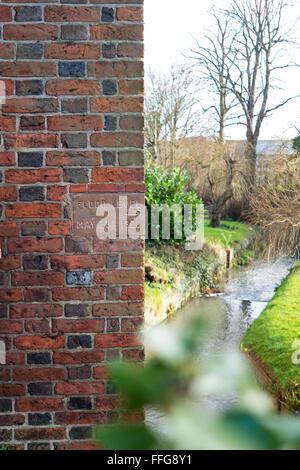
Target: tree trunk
{"points": [[252, 160], [215, 218]]}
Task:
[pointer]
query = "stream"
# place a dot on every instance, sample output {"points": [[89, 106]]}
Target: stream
{"points": [[246, 294]]}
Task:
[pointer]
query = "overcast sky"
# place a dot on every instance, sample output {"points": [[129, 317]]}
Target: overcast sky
{"points": [[170, 29]]}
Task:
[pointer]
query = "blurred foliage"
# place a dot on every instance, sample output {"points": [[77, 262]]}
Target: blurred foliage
{"points": [[175, 384], [168, 188]]}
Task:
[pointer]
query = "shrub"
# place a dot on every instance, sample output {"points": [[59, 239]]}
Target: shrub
{"points": [[168, 188]]}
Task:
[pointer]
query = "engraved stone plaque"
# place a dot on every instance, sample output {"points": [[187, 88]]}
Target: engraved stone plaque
{"points": [[112, 214]]}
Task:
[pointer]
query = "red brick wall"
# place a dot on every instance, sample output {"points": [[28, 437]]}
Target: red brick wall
{"points": [[72, 123]]}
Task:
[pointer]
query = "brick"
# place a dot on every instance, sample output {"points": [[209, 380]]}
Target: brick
{"points": [[39, 373], [34, 193], [48, 175], [131, 49], [39, 419], [131, 87], [81, 417], [12, 420], [73, 158], [60, 227], [76, 105], [76, 310], [79, 388], [8, 326], [29, 51], [7, 123], [28, 13], [132, 261], [39, 342], [133, 293], [10, 295], [77, 245], [38, 434], [40, 388], [113, 32], [5, 13], [8, 229], [107, 69], [80, 403], [110, 123], [77, 325], [109, 51], [78, 293], [107, 15], [37, 326], [73, 87], [30, 105], [108, 158], [79, 278], [75, 123], [69, 14], [5, 405], [112, 261], [118, 309], [32, 262], [117, 104], [77, 261], [19, 141], [37, 228], [9, 263], [40, 32], [72, 51], [7, 159], [109, 87], [37, 358], [106, 175], [37, 279], [119, 277], [79, 341], [30, 245], [71, 69], [130, 14], [35, 311], [33, 211], [56, 193], [74, 33], [76, 175], [131, 123], [37, 295], [116, 340], [7, 193], [79, 373], [39, 446], [32, 123], [39, 404], [30, 159], [131, 324], [82, 357], [129, 158]]}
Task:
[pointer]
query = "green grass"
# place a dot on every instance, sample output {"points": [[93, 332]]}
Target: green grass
{"points": [[229, 234], [272, 335]]}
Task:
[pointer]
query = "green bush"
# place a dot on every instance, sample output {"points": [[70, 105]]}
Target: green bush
{"points": [[168, 188]]}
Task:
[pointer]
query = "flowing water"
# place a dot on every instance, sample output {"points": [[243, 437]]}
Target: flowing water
{"points": [[245, 296]]}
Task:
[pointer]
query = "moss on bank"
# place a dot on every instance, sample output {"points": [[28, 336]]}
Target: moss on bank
{"points": [[271, 338], [173, 274]]}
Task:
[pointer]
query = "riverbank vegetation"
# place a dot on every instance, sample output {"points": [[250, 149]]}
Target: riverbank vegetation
{"points": [[173, 273], [273, 339]]}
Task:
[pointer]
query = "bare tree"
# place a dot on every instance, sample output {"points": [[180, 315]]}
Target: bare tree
{"points": [[257, 53], [213, 63], [170, 109]]}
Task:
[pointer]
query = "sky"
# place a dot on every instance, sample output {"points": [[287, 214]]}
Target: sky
{"points": [[171, 27]]}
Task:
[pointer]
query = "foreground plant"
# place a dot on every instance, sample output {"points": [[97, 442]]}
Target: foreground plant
{"points": [[175, 383]]}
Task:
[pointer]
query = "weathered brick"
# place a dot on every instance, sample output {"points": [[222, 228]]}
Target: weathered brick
{"points": [[107, 15], [28, 13], [73, 87], [40, 388], [72, 51], [74, 32], [71, 69], [32, 123], [39, 419], [69, 14], [80, 278], [34, 193], [35, 262], [29, 51], [40, 32]]}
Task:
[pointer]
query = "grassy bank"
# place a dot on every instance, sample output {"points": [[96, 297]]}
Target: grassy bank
{"points": [[173, 274], [270, 339]]}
